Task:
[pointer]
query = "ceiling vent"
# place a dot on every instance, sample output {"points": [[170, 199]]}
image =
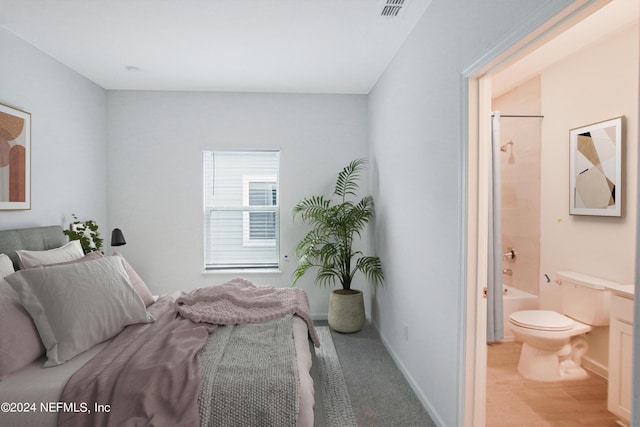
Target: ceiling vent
{"points": [[392, 8]]}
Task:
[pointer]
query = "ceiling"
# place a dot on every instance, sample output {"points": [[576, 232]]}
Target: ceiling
{"points": [[296, 46], [614, 17]]}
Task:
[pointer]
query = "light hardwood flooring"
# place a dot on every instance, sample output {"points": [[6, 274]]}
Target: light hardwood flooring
{"points": [[513, 400]]}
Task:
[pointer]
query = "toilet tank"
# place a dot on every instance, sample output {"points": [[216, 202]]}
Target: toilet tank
{"points": [[585, 298]]}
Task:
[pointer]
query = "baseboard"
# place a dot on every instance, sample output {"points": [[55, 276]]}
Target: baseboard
{"points": [[433, 413], [597, 368], [325, 316]]}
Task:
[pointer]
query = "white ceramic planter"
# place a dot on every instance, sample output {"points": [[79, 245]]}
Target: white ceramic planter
{"points": [[346, 311]]}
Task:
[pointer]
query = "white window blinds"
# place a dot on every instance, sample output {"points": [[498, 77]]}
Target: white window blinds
{"points": [[241, 209]]}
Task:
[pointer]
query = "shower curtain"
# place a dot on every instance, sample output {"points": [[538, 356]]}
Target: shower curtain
{"points": [[495, 328]]}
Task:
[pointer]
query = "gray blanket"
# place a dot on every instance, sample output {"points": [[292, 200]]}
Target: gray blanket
{"points": [[249, 376]]}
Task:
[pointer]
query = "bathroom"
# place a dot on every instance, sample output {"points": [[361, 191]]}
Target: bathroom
{"points": [[539, 237]]}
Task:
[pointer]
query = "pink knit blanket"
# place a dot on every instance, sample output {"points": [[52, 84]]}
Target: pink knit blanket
{"points": [[240, 301]]}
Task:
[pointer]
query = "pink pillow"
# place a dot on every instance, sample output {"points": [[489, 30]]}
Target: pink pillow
{"points": [[136, 281], [20, 344]]}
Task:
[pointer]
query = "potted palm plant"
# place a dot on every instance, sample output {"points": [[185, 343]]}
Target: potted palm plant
{"points": [[328, 245]]}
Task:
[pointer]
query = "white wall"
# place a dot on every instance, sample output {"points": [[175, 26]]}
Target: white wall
{"points": [[595, 84], [68, 136], [155, 171], [418, 149]]}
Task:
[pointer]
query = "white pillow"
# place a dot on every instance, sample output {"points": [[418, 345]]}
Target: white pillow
{"points": [[69, 252], [6, 266], [76, 306]]}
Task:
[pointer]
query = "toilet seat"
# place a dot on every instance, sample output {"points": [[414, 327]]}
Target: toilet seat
{"points": [[541, 320]]}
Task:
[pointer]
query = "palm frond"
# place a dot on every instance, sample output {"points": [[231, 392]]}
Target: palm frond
{"points": [[303, 265], [327, 275], [347, 182], [356, 218], [372, 269], [316, 237], [311, 207]]}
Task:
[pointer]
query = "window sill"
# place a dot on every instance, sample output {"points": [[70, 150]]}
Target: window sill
{"points": [[242, 271]]}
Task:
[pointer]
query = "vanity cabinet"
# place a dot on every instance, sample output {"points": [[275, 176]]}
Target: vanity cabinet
{"points": [[620, 357]]}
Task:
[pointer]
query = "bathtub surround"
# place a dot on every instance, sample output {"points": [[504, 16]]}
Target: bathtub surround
{"points": [[521, 168]]}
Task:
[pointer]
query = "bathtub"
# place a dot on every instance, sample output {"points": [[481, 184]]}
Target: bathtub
{"points": [[514, 300]]}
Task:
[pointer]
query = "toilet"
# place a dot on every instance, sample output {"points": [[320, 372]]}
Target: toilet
{"points": [[552, 343]]}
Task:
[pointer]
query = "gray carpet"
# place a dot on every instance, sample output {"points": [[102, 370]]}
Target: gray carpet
{"points": [[379, 393]]}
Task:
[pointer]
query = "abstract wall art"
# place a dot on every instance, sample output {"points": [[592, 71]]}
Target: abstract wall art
{"points": [[15, 159], [596, 169]]}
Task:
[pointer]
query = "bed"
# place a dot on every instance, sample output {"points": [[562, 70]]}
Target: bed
{"points": [[83, 342]]}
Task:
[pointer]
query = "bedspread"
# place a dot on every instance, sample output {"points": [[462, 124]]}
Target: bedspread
{"points": [[240, 301], [148, 375]]}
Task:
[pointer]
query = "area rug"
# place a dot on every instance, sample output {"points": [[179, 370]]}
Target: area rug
{"points": [[335, 397]]}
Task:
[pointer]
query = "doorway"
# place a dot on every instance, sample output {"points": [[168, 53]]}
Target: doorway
{"points": [[484, 80]]}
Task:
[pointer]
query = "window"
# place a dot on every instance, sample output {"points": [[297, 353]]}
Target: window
{"points": [[259, 228], [241, 209]]}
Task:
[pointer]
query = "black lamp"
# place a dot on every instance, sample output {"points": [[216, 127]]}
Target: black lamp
{"points": [[117, 238]]}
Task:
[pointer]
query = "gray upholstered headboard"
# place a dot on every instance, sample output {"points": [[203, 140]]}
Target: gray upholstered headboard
{"points": [[33, 239]]}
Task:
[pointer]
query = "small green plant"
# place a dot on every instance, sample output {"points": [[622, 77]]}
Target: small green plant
{"points": [[87, 233], [334, 226]]}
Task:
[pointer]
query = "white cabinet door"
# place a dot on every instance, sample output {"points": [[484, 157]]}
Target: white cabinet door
{"points": [[620, 360]]}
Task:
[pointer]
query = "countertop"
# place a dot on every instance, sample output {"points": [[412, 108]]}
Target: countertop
{"points": [[625, 291]]}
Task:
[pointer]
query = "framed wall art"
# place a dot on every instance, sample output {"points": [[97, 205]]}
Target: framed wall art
{"points": [[15, 159], [596, 169]]}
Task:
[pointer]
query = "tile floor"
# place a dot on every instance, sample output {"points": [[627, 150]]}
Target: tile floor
{"points": [[515, 401]]}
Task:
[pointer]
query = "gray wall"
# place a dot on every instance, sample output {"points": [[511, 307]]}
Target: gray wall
{"points": [[416, 114], [155, 171], [68, 136]]}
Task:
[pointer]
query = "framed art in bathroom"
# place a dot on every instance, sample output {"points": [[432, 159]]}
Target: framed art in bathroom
{"points": [[595, 169], [15, 159]]}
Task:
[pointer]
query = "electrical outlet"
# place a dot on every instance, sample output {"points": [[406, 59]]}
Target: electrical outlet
{"points": [[405, 329]]}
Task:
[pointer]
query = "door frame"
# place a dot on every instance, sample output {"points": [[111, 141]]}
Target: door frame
{"points": [[550, 20]]}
